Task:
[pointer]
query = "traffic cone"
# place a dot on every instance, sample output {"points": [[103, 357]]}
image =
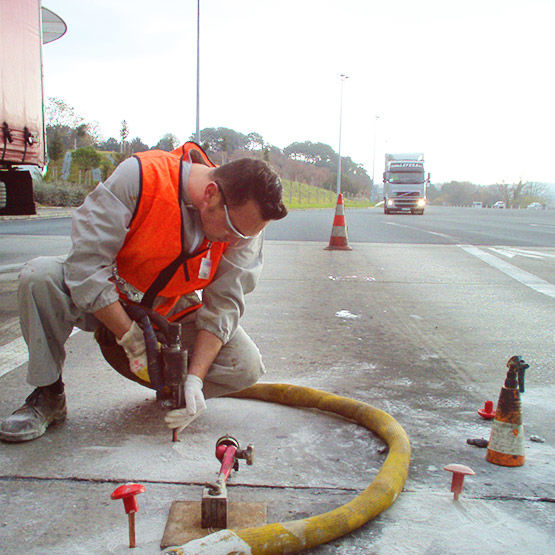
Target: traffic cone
{"points": [[338, 239], [506, 442]]}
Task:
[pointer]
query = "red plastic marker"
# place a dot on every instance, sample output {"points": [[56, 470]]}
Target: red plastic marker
{"points": [[487, 413], [459, 472], [127, 492]]}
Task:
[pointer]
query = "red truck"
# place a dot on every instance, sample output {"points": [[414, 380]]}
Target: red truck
{"points": [[24, 26]]}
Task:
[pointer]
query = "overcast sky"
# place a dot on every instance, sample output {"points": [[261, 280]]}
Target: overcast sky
{"points": [[469, 83]]}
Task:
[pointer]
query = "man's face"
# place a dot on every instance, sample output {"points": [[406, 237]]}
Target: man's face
{"points": [[231, 224]]}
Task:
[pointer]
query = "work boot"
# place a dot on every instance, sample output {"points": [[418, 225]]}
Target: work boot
{"points": [[42, 408]]}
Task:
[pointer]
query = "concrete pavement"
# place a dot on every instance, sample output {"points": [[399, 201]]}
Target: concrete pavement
{"points": [[325, 320]]}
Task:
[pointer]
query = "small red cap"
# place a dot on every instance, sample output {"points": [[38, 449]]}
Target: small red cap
{"points": [[487, 413], [127, 492]]}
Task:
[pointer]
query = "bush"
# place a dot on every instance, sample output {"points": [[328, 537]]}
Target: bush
{"points": [[60, 194]]}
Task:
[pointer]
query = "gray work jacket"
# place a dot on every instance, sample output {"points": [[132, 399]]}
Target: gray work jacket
{"points": [[98, 231]]}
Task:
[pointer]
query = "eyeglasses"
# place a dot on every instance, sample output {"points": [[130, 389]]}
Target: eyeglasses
{"points": [[229, 223]]}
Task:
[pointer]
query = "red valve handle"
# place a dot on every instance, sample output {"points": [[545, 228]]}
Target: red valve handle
{"points": [[228, 461]]}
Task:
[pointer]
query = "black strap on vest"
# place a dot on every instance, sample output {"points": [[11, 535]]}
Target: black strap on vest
{"points": [[162, 280]]}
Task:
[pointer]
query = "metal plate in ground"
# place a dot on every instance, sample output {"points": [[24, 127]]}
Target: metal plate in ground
{"points": [[183, 523]]}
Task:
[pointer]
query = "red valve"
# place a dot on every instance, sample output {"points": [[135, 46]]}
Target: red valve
{"points": [[127, 493]]}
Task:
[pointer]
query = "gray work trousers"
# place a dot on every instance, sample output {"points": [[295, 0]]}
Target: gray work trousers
{"points": [[48, 315]]}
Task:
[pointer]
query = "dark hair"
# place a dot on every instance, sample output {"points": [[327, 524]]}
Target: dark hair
{"points": [[248, 178]]}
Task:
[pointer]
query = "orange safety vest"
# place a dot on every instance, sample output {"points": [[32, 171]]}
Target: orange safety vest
{"points": [[152, 258]]}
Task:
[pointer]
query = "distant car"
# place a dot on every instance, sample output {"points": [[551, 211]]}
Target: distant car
{"points": [[535, 206], [476, 204], [499, 204]]}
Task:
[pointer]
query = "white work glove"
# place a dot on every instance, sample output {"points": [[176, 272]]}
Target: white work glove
{"points": [[196, 405], [133, 343], [180, 418], [193, 395]]}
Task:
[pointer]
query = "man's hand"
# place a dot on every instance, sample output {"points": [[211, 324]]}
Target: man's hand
{"points": [[193, 395], [179, 419], [133, 343]]}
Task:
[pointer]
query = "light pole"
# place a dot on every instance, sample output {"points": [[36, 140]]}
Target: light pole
{"points": [[377, 117], [197, 134], [343, 77]]}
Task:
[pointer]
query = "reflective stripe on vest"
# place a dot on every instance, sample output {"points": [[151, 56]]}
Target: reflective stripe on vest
{"points": [[152, 258]]}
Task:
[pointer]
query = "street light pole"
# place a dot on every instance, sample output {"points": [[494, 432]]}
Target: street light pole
{"points": [[197, 134], [343, 77]]}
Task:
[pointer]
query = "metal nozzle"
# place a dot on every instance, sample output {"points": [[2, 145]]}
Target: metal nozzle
{"points": [[515, 375]]}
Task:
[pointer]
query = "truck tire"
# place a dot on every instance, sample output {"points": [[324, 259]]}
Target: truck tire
{"points": [[18, 193]]}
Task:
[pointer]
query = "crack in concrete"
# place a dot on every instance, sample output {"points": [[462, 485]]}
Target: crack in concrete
{"points": [[76, 479]]}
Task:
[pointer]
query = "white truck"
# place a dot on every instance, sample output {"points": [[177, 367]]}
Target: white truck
{"points": [[404, 183], [24, 26]]}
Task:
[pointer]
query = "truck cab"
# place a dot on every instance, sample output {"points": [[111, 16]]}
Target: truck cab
{"points": [[404, 183]]}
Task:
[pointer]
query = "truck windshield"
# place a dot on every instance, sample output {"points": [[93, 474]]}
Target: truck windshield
{"points": [[405, 177]]}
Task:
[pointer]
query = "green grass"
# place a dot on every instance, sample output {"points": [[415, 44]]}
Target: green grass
{"points": [[296, 195], [300, 196]]}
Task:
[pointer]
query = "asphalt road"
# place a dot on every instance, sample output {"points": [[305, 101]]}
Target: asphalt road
{"points": [[511, 241], [418, 319], [439, 225]]}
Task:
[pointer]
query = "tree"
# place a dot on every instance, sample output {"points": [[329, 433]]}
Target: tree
{"points": [[123, 133], [458, 193], [111, 145], [517, 191], [319, 154], [503, 191], [168, 143], [223, 140], [255, 141], [93, 130], [60, 114], [137, 145], [86, 158], [432, 193], [80, 135], [55, 146], [65, 128], [354, 178]]}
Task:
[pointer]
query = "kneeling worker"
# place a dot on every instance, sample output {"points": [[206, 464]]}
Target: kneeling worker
{"points": [[162, 227]]}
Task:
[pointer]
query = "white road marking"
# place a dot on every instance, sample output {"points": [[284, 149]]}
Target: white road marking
{"points": [[526, 278], [504, 252], [444, 235], [440, 234], [545, 225], [14, 354], [511, 252]]}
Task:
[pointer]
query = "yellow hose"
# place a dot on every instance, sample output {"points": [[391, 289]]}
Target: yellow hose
{"points": [[296, 535]]}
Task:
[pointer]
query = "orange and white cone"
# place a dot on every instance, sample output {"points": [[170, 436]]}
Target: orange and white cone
{"points": [[506, 442], [338, 239]]}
